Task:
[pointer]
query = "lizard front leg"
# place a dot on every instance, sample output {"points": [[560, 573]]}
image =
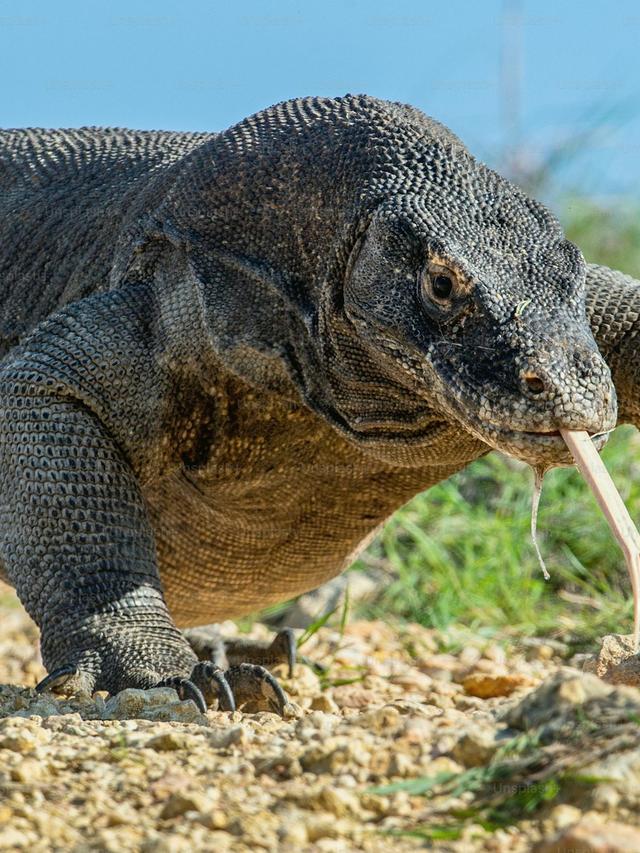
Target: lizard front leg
{"points": [[75, 538], [78, 547], [613, 308]]}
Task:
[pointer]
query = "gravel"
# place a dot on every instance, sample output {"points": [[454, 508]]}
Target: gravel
{"points": [[143, 771]]}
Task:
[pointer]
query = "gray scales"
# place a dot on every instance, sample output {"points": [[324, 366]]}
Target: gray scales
{"points": [[228, 358]]}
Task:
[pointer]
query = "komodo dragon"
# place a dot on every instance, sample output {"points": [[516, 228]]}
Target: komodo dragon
{"points": [[228, 358]]}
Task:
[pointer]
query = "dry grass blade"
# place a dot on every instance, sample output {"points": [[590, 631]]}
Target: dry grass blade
{"points": [[592, 468]]}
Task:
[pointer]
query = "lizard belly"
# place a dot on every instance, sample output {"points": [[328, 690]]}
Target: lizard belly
{"points": [[230, 551], [280, 505]]}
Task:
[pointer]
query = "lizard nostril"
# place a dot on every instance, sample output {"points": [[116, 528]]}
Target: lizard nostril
{"points": [[534, 384]]}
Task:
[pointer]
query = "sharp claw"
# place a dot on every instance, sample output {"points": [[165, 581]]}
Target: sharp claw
{"points": [[190, 691], [287, 638], [186, 690], [226, 699], [56, 678], [277, 699], [214, 685]]}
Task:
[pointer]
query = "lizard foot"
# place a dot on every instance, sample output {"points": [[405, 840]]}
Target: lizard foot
{"points": [[243, 665], [206, 680], [209, 645], [253, 683]]}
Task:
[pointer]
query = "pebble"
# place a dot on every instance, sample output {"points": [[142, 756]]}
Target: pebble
{"points": [[324, 702], [487, 685], [144, 771], [617, 661], [476, 747], [592, 835]]}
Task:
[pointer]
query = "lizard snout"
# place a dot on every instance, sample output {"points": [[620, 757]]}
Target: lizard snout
{"points": [[574, 391]]}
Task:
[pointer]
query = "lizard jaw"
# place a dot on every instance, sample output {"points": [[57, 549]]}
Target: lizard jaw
{"points": [[534, 447]]}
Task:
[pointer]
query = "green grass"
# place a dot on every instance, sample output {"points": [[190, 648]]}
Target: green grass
{"points": [[462, 552]]}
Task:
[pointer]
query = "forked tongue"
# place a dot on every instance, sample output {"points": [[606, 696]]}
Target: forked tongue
{"points": [[592, 468], [535, 506]]}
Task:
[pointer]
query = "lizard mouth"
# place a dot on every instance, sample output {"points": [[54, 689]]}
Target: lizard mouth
{"points": [[535, 446]]}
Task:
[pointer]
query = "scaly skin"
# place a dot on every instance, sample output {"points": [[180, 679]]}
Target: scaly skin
{"points": [[228, 358]]}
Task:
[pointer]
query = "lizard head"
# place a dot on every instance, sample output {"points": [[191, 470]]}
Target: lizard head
{"points": [[471, 295], [405, 289]]}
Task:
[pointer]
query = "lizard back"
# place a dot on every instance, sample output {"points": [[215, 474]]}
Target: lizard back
{"points": [[64, 196]]}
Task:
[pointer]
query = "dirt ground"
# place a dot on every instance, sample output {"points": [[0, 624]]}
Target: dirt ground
{"points": [[408, 741]]}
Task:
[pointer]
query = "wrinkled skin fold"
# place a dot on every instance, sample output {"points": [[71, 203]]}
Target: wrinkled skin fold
{"points": [[228, 358]]}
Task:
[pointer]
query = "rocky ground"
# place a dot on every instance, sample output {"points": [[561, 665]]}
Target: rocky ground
{"points": [[409, 740]]}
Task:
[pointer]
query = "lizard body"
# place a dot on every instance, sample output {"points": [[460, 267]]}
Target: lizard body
{"points": [[229, 357]]}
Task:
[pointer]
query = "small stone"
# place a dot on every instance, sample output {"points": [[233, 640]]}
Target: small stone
{"points": [[169, 741], [159, 703], [417, 730], [27, 771], [617, 661], [564, 815], [305, 683], [42, 707], [324, 702], [338, 801], [441, 666], [216, 819], [131, 703], [544, 652], [333, 755], [383, 719], [174, 781], [590, 835], [238, 735], [487, 686], [418, 709], [178, 712], [413, 681], [325, 826], [469, 656], [401, 764], [560, 693], [293, 834], [476, 747], [496, 653], [18, 742], [13, 839], [181, 802], [354, 696]]}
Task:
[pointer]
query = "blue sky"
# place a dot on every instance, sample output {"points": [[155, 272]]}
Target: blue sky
{"points": [[204, 65]]}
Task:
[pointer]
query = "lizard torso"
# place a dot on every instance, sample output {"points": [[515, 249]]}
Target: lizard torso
{"points": [[280, 501]]}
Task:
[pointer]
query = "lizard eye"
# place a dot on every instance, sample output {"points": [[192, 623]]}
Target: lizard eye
{"points": [[442, 286], [438, 285]]}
